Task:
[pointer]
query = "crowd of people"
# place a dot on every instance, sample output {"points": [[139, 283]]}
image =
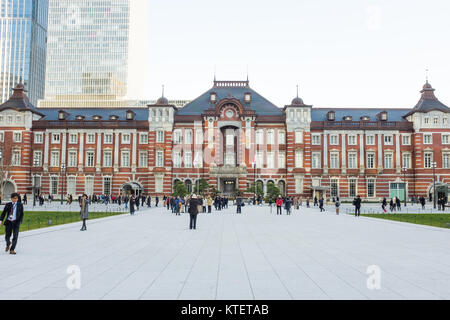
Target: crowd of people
{"points": [[12, 214]]}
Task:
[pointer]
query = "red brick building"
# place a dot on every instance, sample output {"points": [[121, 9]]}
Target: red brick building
{"points": [[218, 136]]}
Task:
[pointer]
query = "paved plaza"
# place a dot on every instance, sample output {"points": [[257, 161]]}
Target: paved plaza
{"points": [[256, 255]]}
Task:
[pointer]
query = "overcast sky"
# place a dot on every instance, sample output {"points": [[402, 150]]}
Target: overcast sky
{"points": [[347, 53]]}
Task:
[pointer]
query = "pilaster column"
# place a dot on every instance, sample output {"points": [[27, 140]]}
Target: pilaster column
{"points": [[46, 149], [361, 153], [133, 152], [380, 153], [99, 150], [397, 153], [116, 152], [344, 153], [81, 155], [63, 148], [325, 153]]}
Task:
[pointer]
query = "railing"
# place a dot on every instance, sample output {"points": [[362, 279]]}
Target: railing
{"points": [[402, 125], [100, 124]]}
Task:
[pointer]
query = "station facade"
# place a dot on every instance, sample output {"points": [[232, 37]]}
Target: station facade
{"points": [[232, 137]]}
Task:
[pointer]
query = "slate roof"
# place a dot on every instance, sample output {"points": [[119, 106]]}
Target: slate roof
{"points": [[259, 104], [320, 114], [428, 102], [19, 101], [52, 114]]}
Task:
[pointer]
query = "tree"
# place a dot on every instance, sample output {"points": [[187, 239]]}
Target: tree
{"points": [[214, 192], [272, 191], [179, 190], [259, 189], [201, 187], [4, 172]]}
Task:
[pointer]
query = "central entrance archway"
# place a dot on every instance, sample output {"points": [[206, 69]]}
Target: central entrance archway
{"points": [[8, 189], [132, 188]]}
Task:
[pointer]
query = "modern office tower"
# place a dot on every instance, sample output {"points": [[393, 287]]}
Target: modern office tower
{"points": [[23, 33], [87, 49]]}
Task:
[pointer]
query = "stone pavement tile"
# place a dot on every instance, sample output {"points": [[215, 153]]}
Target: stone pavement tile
{"points": [[132, 287], [254, 255], [50, 293]]}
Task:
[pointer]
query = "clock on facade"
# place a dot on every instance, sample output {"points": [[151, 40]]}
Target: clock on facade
{"points": [[230, 114]]}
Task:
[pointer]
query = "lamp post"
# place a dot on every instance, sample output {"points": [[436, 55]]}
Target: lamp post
{"points": [[63, 169], [35, 164], [434, 165], [405, 168]]}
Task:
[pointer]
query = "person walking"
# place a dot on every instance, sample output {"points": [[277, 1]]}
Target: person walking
{"points": [[337, 204], [384, 204], [178, 203], [279, 204], [13, 212], [209, 204], [422, 202], [288, 205], [193, 212], [132, 205], [239, 204], [315, 201], [321, 205], [137, 202], [357, 204], [84, 212], [307, 203], [398, 203]]}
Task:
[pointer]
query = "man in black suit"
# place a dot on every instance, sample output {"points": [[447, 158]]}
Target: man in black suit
{"points": [[193, 211], [357, 204], [13, 212]]}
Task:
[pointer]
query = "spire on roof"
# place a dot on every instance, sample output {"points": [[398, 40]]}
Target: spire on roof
{"points": [[163, 100], [297, 100]]}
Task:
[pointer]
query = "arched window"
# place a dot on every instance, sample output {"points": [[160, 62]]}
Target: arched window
{"points": [[188, 184], [282, 186]]}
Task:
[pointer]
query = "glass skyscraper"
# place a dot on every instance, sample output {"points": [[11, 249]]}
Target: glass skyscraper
{"points": [[87, 48], [23, 32]]}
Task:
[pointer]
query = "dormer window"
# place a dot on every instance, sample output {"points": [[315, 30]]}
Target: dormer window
{"points": [[348, 118], [213, 97], [247, 97], [130, 115], [61, 115], [331, 116], [382, 116], [96, 117], [79, 117], [113, 117], [365, 118]]}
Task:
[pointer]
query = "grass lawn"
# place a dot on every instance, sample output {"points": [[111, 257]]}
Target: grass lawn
{"points": [[435, 220], [43, 219]]}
